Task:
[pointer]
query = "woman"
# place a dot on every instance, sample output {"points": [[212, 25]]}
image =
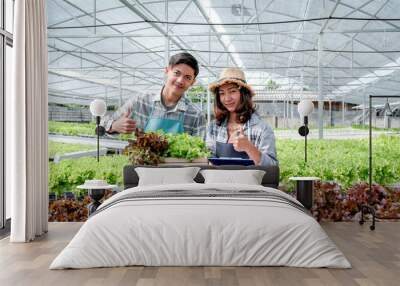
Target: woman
{"points": [[238, 131]]}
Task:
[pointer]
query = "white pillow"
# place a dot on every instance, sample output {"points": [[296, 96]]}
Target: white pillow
{"points": [[166, 176], [249, 177]]}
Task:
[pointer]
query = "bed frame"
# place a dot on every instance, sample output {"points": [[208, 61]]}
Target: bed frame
{"points": [[270, 179]]}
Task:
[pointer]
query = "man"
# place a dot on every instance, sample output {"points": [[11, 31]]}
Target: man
{"points": [[169, 110]]}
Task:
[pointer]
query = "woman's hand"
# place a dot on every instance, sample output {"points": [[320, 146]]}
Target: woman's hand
{"points": [[242, 144], [240, 141]]}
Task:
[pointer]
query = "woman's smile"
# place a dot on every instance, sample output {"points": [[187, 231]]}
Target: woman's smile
{"points": [[229, 104]]}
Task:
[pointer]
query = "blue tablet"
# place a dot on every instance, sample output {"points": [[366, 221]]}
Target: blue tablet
{"points": [[230, 161]]}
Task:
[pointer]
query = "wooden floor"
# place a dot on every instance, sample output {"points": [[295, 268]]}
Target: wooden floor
{"points": [[374, 255]]}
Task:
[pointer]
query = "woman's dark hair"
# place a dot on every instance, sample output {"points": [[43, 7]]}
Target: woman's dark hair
{"points": [[187, 59], [244, 110]]}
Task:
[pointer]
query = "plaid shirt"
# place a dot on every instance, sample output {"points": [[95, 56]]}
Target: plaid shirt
{"points": [[259, 133], [142, 106]]}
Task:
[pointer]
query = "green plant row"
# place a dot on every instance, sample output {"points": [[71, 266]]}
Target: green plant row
{"points": [[342, 161], [72, 128], [68, 174], [63, 148], [365, 127]]}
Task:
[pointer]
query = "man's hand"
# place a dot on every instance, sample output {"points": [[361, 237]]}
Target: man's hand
{"points": [[124, 124]]}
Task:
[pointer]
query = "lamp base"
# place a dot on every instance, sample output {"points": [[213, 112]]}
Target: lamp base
{"points": [[304, 193], [368, 209]]}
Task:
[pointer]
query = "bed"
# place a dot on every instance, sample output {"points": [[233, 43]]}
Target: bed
{"points": [[164, 222]]}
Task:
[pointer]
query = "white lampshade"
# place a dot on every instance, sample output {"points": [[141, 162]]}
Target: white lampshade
{"points": [[305, 107], [98, 107]]}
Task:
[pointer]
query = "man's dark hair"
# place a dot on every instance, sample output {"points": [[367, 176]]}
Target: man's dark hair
{"points": [[187, 59]]}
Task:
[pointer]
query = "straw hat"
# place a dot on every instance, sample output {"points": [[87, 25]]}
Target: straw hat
{"points": [[231, 75], [95, 184]]}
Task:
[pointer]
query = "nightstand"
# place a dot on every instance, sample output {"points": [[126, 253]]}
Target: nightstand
{"points": [[304, 190]]}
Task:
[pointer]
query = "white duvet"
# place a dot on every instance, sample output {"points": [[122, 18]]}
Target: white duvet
{"points": [[183, 231]]}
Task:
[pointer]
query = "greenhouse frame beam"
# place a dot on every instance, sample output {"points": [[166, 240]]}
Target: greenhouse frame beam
{"points": [[71, 94], [83, 87], [60, 98], [77, 17], [297, 18], [325, 24], [64, 99], [90, 96], [306, 71], [167, 38], [74, 18], [254, 17], [93, 81], [304, 32], [76, 49], [295, 44], [105, 64], [295, 38], [161, 31], [204, 14], [322, 30], [320, 93], [94, 15], [384, 88], [290, 66], [260, 43], [179, 16], [354, 9], [108, 60], [297, 41], [116, 30], [60, 81], [374, 87], [391, 80], [359, 9]]}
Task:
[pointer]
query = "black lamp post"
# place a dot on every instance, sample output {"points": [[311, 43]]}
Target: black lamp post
{"points": [[304, 185], [366, 208], [305, 107], [98, 108]]}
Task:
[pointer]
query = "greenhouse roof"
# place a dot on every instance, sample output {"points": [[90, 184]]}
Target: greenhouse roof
{"points": [[112, 49]]}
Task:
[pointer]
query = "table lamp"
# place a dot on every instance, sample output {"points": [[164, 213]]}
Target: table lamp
{"points": [[305, 107], [98, 108]]}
